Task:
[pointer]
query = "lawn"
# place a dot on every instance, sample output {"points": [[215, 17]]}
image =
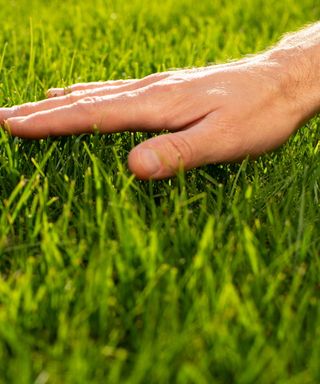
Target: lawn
{"points": [[209, 277]]}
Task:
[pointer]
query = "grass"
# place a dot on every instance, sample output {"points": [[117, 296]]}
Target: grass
{"points": [[211, 277]]}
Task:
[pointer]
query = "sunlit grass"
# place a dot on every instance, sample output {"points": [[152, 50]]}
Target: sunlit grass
{"points": [[211, 277]]}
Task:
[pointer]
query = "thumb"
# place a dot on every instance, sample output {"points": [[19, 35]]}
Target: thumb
{"points": [[163, 156]]}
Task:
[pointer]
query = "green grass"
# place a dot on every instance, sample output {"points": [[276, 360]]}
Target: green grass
{"points": [[211, 277]]}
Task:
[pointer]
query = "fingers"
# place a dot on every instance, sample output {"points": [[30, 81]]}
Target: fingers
{"points": [[54, 92], [144, 108], [119, 85], [127, 111], [30, 108], [77, 94], [60, 101]]}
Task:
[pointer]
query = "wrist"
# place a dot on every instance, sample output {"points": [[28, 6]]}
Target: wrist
{"points": [[299, 74]]}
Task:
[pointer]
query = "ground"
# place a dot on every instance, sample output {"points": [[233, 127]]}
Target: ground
{"points": [[210, 277]]}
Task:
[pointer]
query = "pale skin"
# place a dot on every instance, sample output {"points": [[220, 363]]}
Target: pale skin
{"points": [[219, 113]]}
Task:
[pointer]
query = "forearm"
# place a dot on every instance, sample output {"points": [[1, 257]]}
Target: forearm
{"points": [[298, 55]]}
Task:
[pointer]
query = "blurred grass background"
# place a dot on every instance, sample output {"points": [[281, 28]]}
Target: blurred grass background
{"points": [[211, 277]]}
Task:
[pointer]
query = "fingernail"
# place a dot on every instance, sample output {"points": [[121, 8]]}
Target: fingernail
{"points": [[54, 92], [150, 161], [6, 127], [67, 90]]}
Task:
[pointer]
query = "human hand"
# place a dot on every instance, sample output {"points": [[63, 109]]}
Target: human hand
{"points": [[214, 114]]}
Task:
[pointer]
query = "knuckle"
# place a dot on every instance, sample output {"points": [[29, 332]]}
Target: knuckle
{"points": [[78, 94], [171, 86], [165, 100], [86, 105], [153, 106], [180, 148], [73, 97]]}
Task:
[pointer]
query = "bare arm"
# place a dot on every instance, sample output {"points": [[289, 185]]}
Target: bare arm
{"points": [[214, 114]]}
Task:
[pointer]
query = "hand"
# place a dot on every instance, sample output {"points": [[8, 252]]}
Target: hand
{"points": [[215, 114]]}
